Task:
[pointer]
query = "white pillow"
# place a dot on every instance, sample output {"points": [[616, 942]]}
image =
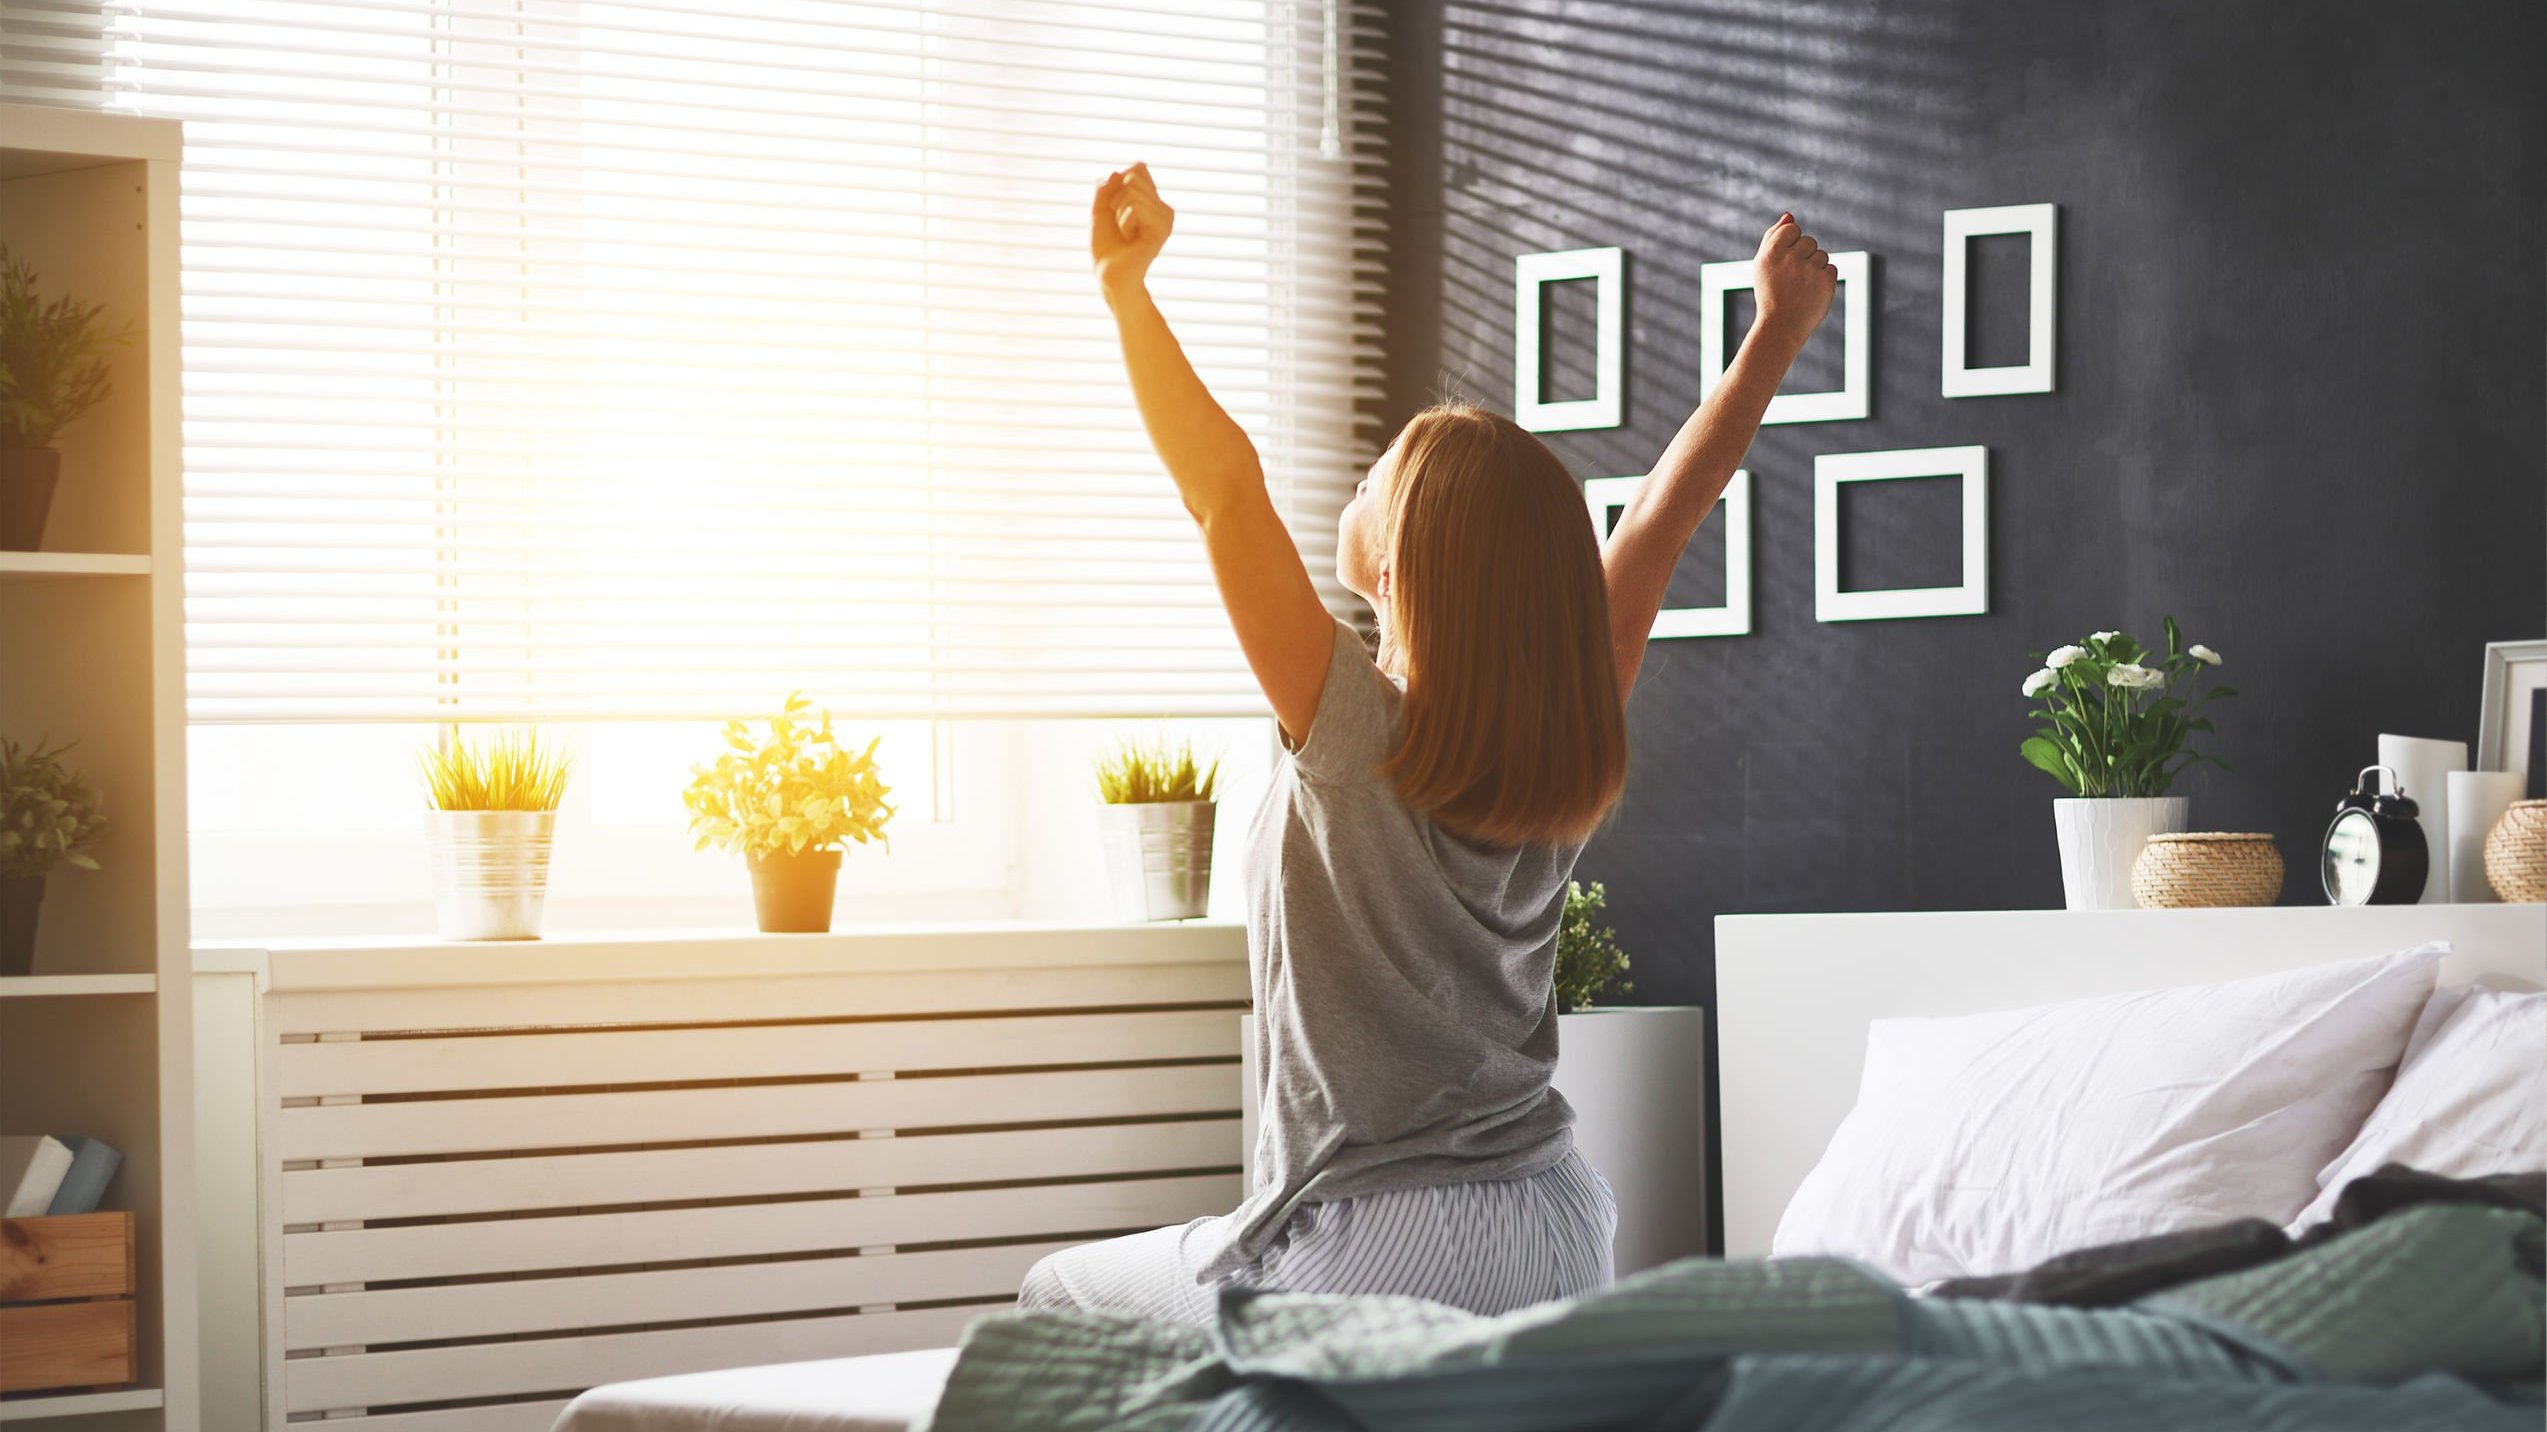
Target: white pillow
{"points": [[2469, 1100], [1991, 1142]]}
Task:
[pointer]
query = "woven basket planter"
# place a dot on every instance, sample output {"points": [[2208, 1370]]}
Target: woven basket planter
{"points": [[2516, 854], [2203, 870]]}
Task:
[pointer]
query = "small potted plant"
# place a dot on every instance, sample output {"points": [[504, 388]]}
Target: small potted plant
{"points": [[1157, 824], [490, 822], [48, 817], [52, 370], [1632, 1073], [788, 804], [2117, 722]]}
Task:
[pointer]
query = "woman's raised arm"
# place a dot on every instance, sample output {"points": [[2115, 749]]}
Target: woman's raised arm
{"points": [[1282, 628], [1794, 282]]}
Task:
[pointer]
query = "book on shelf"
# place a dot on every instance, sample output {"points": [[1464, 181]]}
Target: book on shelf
{"points": [[46, 1176], [31, 1170], [93, 1165]]}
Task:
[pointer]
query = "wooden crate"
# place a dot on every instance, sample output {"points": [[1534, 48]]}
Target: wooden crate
{"points": [[66, 1302]]}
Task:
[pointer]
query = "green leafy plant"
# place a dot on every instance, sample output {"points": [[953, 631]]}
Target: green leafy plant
{"points": [[1588, 960], [1146, 773], [2117, 717], [48, 812], [512, 771], [796, 791], [52, 358]]}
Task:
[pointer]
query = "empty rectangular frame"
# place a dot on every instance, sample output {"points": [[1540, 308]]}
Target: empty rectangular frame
{"points": [[1970, 597], [2034, 375], [1608, 269], [1854, 396], [1733, 616]]}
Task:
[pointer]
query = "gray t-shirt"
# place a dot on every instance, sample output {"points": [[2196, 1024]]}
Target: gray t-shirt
{"points": [[1406, 1024]]}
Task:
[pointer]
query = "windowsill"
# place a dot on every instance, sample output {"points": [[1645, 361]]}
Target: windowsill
{"points": [[397, 961]]}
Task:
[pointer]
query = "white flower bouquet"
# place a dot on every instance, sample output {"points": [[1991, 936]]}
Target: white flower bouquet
{"points": [[2116, 716]]}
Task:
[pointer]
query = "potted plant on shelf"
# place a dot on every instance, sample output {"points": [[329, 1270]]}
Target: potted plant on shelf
{"points": [[48, 817], [1157, 824], [52, 370], [490, 822], [788, 804], [2117, 719], [1637, 1078]]}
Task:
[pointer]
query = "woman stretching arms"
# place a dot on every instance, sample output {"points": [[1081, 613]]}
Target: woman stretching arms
{"points": [[1406, 874]]}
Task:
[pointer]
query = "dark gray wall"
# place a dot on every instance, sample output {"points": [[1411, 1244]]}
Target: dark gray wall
{"points": [[2301, 396]]}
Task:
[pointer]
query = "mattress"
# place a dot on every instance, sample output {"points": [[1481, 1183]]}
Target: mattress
{"points": [[881, 1392]]}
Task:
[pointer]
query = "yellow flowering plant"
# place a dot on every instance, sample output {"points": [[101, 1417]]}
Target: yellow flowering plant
{"points": [[798, 790]]}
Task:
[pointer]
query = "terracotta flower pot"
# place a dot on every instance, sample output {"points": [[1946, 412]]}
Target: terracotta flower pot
{"points": [[792, 893], [27, 476]]}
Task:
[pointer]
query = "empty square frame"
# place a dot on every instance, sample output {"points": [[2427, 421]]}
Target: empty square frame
{"points": [[1606, 267], [1734, 617], [1971, 597], [1857, 301], [2034, 375]]}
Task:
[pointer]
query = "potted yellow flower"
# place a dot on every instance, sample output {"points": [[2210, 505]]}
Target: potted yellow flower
{"points": [[788, 804]]}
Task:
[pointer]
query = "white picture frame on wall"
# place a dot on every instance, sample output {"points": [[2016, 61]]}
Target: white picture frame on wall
{"points": [[1854, 397], [1732, 517], [1968, 597], [2040, 224], [2514, 672], [1607, 268]]}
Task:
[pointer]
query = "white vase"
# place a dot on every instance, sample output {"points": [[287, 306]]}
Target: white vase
{"points": [[1637, 1078], [2101, 838]]}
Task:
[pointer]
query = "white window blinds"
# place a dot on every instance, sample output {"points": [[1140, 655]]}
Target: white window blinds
{"points": [[579, 360]]}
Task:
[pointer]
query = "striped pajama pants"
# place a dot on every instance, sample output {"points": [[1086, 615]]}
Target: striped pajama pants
{"points": [[1488, 1247]]}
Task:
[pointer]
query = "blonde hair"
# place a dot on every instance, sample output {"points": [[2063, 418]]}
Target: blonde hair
{"points": [[1498, 618]]}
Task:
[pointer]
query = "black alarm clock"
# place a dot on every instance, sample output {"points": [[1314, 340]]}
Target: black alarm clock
{"points": [[2375, 853]]}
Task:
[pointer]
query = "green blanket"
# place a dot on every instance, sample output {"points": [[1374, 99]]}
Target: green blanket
{"points": [[2430, 1318]]}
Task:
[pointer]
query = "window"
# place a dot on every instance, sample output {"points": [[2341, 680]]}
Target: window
{"points": [[615, 364]]}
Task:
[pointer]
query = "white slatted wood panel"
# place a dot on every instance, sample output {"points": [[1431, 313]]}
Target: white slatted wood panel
{"points": [[554, 1121], [547, 1366], [796, 1225], [490, 1191], [563, 1304], [561, 1004], [521, 1061]]}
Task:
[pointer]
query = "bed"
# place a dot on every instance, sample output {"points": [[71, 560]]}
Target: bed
{"points": [[1796, 995]]}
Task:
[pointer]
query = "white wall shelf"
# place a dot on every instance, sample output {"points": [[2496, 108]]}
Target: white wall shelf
{"points": [[25, 566], [49, 986], [45, 1407]]}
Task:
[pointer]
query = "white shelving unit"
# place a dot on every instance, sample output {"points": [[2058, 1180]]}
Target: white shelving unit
{"points": [[99, 1039]]}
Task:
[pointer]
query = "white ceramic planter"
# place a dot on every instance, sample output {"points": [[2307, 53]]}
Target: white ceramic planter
{"points": [[1158, 858], [1637, 1078], [2100, 839], [490, 871]]}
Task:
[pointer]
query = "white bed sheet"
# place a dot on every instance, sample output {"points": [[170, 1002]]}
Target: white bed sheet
{"points": [[881, 1392]]}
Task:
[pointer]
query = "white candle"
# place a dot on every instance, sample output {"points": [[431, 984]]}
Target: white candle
{"points": [[2423, 768], [2477, 800]]}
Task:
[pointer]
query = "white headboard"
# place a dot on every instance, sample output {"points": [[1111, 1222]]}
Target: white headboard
{"points": [[1794, 994]]}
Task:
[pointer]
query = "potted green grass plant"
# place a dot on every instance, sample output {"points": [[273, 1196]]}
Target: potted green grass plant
{"points": [[52, 370], [48, 818], [2117, 722], [1156, 824], [490, 823], [789, 803]]}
